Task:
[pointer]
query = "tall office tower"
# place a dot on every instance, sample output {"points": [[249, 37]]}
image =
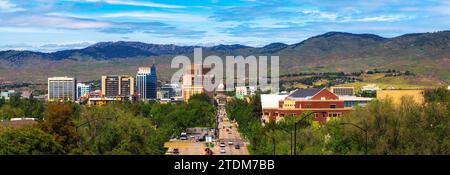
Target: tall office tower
{"points": [[114, 86], [146, 83], [61, 89], [194, 81], [82, 89]]}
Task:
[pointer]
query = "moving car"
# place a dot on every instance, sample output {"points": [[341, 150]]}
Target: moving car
{"points": [[222, 144], [222, 151], [230, 143], [183, 136]]}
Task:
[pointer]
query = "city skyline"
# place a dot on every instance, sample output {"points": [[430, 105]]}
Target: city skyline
{"points": [[71, 24]]}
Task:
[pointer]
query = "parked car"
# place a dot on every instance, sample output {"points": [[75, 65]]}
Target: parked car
{"points": [[222, 144], [222, 151], [237, 146], [176, 151], [230, 143]]}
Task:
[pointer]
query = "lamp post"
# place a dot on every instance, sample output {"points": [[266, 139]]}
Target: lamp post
{"points": [[88, 122], [295, 132], [274, 150], [273, 141], [365, 133], [291, 142]]}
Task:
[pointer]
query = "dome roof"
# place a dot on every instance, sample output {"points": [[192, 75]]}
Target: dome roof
{"points": [[221, 87]]}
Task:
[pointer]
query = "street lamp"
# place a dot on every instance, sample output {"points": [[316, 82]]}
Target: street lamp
{"points": [[295, 133], [273, 141], [365, 133]]}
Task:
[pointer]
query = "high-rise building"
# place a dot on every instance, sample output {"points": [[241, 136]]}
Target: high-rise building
{"points": [[61, 88], [146, 83], [195, 79], [115, 86], [83, 89]]}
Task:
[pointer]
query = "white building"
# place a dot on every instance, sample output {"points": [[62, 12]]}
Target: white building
{"points": [[271, 101], [242, 91], [61, 88], [83, 89], [7, 95], [370, 87]]}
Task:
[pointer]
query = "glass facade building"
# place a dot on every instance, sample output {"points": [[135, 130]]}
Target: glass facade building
{"points": [[82, 89], [146, 83], [61, 89]]}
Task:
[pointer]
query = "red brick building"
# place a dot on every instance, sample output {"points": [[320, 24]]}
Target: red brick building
{"points": [[322, 102]]}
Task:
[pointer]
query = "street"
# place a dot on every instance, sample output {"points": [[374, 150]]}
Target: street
{"points": [[228, 132]]}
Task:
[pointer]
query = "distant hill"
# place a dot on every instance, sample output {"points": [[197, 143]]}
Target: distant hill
{"points": [[427, 54]]}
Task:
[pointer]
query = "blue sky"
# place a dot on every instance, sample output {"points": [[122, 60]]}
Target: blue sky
{"points": [[50, 25]]}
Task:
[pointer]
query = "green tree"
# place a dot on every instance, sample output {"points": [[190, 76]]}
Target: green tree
{"points": [[112, 129], [7, 112], [58, 121], [2, 101], [27, 141]]}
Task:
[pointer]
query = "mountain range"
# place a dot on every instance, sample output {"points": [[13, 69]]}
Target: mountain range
{"points": [[427, 54]]}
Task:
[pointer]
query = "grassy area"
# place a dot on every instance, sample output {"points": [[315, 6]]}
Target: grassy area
{"points": [[382, 80], [399, 82]]}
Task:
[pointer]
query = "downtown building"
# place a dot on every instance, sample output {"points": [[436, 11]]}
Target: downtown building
{"points": [[118, 86], [195, 79], [169, 91], [83, 90], [146, 83], [61, 89]]}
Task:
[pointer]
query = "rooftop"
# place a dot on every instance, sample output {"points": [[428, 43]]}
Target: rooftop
{"points": [[271, 100], [18, 123], [304, 93], [354, 98]]}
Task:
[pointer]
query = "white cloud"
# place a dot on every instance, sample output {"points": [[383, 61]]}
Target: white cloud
{"points": [[54, 22], [133, 3], [325, 15], [382, 18], [29, 30], [164, 16], [7, 6]]}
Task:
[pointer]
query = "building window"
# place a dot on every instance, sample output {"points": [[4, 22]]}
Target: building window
{"points": [[333, 106]]}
